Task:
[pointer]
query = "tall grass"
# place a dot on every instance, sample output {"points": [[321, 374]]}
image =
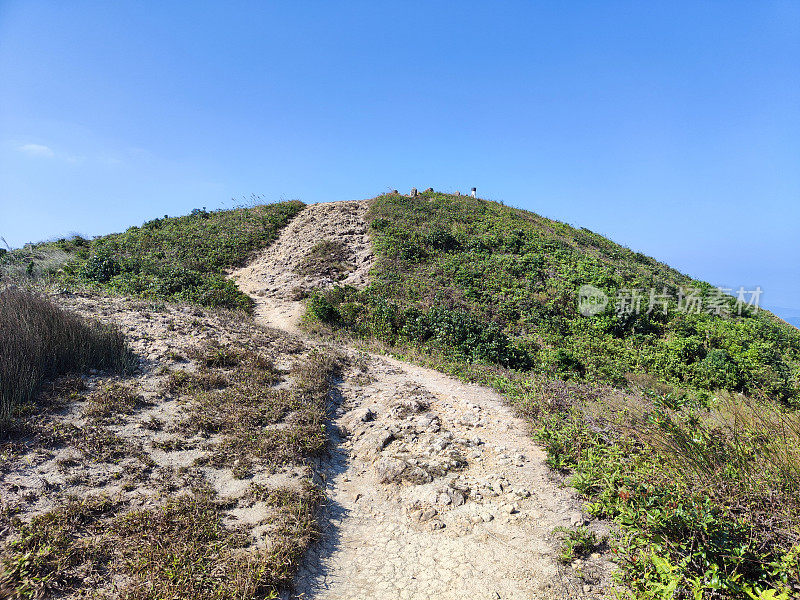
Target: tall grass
{"points": [[39, 340]]}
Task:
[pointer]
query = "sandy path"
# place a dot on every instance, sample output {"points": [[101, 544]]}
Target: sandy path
{"points": [[270, 280], [435, 488]]}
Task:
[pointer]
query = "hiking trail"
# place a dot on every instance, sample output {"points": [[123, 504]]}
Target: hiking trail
{"points": [[435, 487]]}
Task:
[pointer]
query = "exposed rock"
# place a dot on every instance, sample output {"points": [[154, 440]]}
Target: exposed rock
{"points": [[366, 416], [390, 469]]}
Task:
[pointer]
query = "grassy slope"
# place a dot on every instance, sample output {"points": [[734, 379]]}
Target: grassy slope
{"points": [[647, 409], [522, 271], [175, 259]]}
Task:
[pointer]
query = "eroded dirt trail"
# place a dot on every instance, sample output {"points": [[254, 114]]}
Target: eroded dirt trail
{"points": [[435, 488], [271, 279]]}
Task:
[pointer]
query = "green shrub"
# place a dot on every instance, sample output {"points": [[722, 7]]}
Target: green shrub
{"points": [[100, 267], [321, 308], [180, 258]]}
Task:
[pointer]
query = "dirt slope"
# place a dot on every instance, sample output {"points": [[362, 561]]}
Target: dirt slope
{"points": [[141, 442], [435, 488], [271, 278]]}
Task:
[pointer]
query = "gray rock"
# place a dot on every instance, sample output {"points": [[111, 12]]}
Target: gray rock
{"points": [[510, 509], [384, 439], [457, 497], [427, 514], [576, 520], [390, 470]]}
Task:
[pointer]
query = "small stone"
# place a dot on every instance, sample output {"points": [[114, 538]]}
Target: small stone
{"points": [[413, 193], [437, 524], [384, 440], [587, 588], [510, 509], [457, 497], [427, 514], [390, 469], [576, 519], [367, 416], [487, 517], [439, 444]]}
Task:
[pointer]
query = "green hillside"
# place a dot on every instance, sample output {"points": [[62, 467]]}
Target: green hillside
{"points": [[180, 259], [500, 284], [680, 426]]}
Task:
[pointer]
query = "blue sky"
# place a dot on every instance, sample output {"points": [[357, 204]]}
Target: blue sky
{"points": [[673, 128]]}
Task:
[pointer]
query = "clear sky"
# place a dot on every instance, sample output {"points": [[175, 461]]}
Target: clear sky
{"points": [[671, 127]]}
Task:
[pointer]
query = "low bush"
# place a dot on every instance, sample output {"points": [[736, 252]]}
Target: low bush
{"points": [[452, 329]]}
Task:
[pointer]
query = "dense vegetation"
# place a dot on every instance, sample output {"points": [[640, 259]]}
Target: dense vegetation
{"points": [[40, 341], [177, 259], [677, 423], [501, 284]]}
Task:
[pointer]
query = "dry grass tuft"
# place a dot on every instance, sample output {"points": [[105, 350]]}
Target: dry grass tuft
{"points": [[112, 400], [39, 341], [327, 258]]}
